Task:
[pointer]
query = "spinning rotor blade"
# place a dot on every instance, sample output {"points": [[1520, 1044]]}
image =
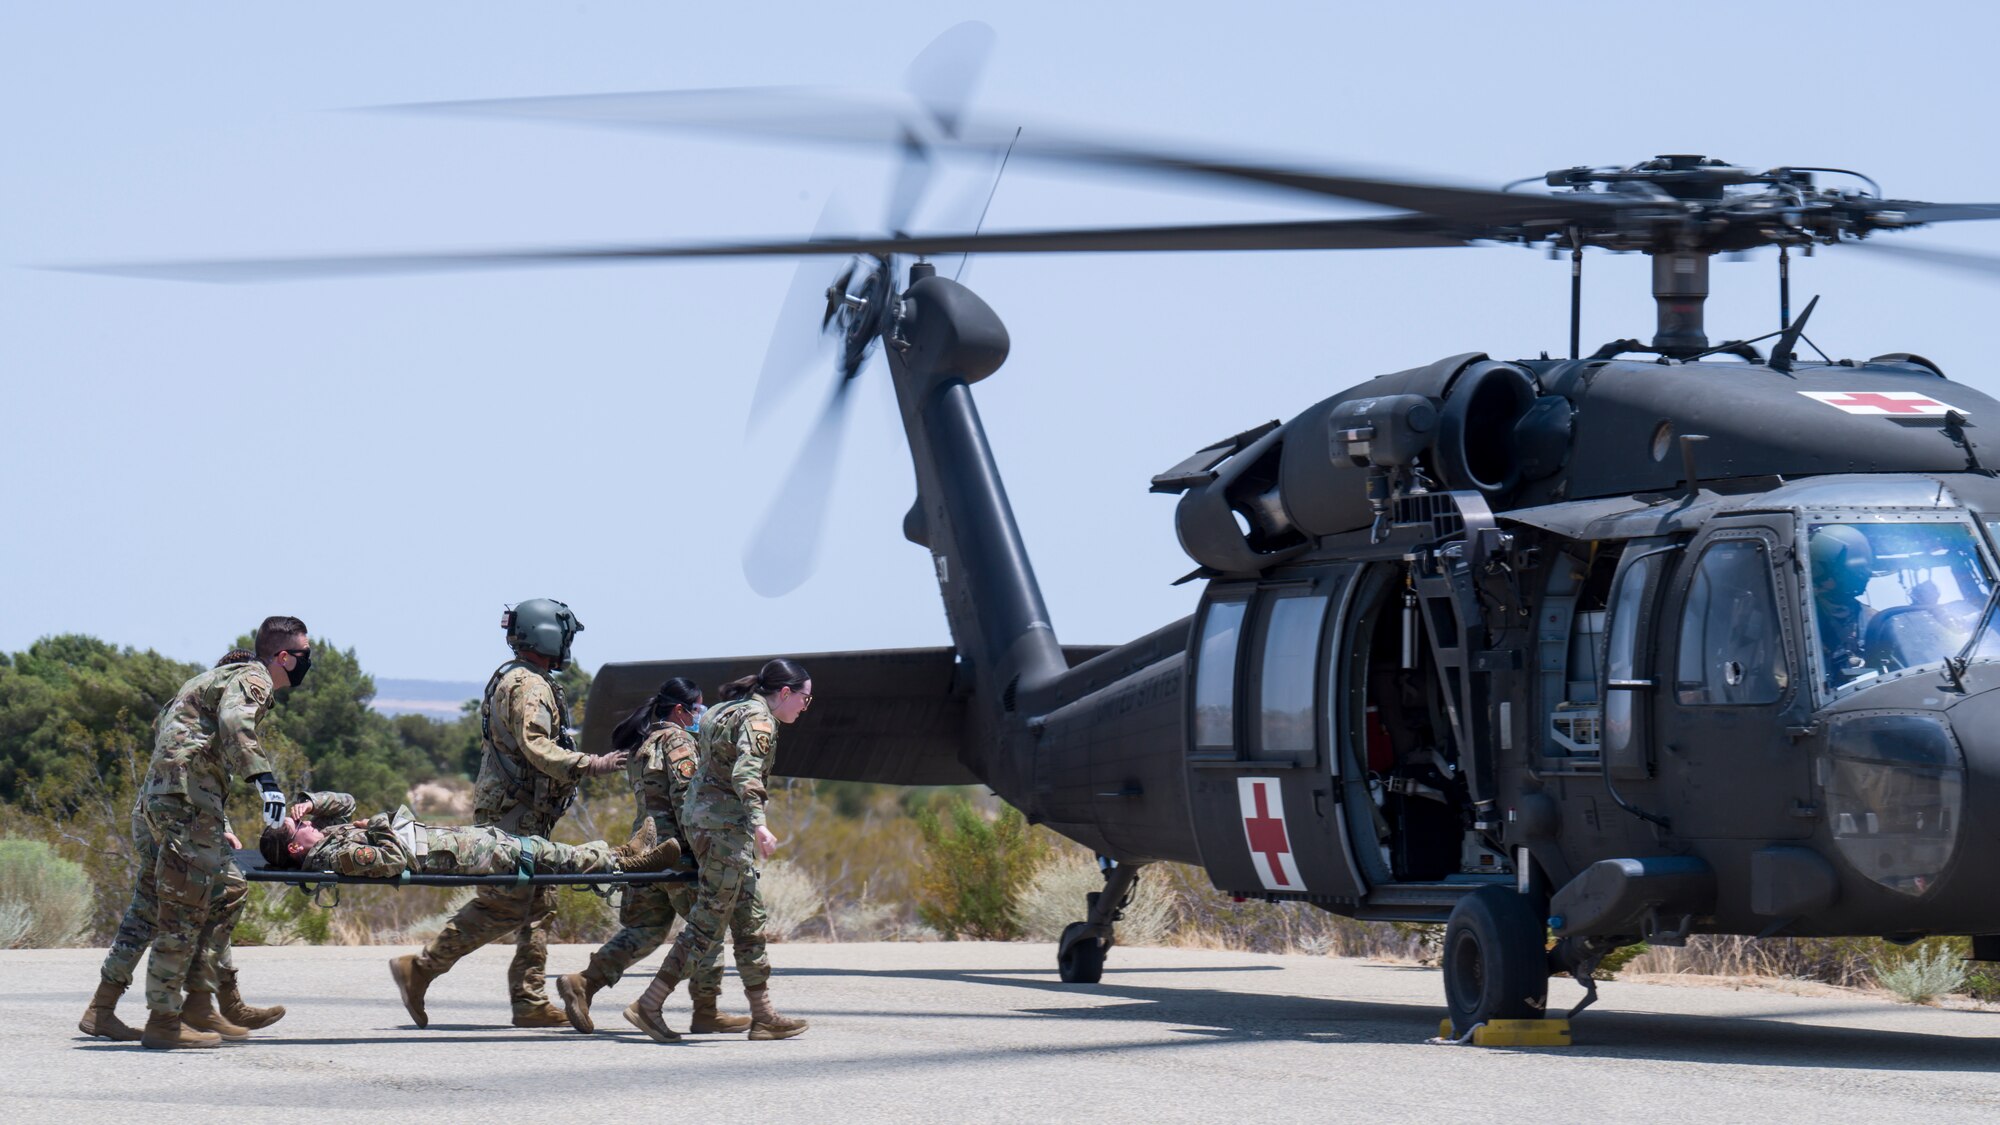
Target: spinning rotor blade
{"points": [[1306, 234], [1918, 212], [845, 117], [784, 550], [940, 80], [799, 345], [1967, 260]]}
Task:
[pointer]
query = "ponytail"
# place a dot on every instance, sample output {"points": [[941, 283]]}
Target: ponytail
{"points": [[769, 680], [631, 730]]}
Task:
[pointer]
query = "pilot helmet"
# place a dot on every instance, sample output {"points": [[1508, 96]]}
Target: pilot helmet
{"points": [[542, 625], [1842, 560]]}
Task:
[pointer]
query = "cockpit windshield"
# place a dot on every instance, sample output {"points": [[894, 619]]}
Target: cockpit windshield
{"points": [[1892, 595]]}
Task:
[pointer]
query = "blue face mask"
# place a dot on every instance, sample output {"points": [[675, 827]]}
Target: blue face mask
{"points": [[694, 719]]}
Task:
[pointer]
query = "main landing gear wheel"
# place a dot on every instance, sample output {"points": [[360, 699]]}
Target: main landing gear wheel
{"points": [[1495, 963], [1080, 954]]}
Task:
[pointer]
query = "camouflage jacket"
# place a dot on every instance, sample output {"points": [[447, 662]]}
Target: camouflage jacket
{"points": [[528, 769], [661, 770], [739, 741], [388, 844], [209, 734]]}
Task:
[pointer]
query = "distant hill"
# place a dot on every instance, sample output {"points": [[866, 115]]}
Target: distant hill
{"points": [[439, 699]]}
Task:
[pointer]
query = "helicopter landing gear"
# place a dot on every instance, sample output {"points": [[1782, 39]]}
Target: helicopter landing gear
{"points": [[1495, 965], [1081, 951]]}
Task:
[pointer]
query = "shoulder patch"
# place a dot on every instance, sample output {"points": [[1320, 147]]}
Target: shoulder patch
{"points": [[763, 724], [365, 855], [685, 768]]}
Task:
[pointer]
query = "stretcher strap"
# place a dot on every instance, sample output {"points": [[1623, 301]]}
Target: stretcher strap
{"points": [[525, 865]]}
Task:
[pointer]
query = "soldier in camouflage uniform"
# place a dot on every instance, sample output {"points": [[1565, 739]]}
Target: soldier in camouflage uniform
{"points": [[528, 773], [213, 970], [661, 768], [204, 737], [390, 844], [724, 817]]}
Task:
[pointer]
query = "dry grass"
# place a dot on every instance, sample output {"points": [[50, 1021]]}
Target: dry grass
{"points": [[1054, 897]]}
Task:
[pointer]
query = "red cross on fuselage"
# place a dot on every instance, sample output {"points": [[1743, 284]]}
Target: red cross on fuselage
{"points": [[1267, 835], [1884, 403]]}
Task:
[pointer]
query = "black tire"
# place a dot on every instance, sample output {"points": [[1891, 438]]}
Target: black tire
{"points": [[1079, 958], [1495, 964]]}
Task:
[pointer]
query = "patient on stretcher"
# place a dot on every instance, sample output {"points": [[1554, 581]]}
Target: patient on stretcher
{"points": [[319, 836]]}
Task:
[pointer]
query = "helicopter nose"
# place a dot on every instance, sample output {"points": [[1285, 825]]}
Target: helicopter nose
{"points": [[1896, 785]]}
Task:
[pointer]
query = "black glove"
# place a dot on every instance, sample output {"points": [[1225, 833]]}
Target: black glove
{"points": [[275, 807]]}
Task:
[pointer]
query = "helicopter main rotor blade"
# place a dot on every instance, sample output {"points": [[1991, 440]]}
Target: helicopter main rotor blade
{"points": [[837, 116], [782, 553], [1919, 212], [1969, 261], [1395, 231]]}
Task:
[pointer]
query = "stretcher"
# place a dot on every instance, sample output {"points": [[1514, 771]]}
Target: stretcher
{"points": [[254, 869]]}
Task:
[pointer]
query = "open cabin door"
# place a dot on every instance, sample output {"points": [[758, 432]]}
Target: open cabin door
{"points": [[1262, 715]]}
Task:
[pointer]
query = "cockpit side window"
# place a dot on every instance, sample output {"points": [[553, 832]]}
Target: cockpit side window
{"points": [[1889, 595], [1732, 650]]}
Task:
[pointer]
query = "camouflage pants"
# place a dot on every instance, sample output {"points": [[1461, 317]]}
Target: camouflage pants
{"points": [[648, 913], [492, 851], [141, 921], [728, 900], [493, 913], [183, 860]]}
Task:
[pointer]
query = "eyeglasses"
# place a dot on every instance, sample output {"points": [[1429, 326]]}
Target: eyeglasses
{"points": [[805, 697]]}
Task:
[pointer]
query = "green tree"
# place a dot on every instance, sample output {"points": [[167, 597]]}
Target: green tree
{"points": [[973, 868]]}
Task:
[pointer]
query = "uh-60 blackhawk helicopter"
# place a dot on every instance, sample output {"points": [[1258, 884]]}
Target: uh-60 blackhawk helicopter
{"points": [[1626, 646]]}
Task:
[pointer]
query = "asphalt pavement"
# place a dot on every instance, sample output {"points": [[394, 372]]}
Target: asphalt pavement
{"points": [[948, 1032]]}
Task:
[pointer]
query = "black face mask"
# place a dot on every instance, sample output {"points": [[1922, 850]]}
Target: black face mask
{"points": [[299, 670]]}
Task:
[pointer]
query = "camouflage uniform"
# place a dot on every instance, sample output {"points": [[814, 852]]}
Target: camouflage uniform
{"points": [[206, 735], [723, 809], [527, 775], [660, 771], [142, 919], [389, 844]]}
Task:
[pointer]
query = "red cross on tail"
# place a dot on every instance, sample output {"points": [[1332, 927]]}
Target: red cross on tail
{"points": [[1263, 803], [1889, 404]]}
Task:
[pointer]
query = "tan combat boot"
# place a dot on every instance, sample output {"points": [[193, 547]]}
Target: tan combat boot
{"points": [[199, 1012], [540, 1013], [657, 857], [411, 980], [577, 990], [164, 1032], [645, 1013], [708, 1021], [765, 1022], [101, 1018], [231, 1004]]}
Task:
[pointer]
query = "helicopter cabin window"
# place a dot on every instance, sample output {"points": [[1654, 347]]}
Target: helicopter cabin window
{"points": [[1621, 650], [1732, 648], [1288, 664], [1215, 676], [1571, 658], [1889, 595]]}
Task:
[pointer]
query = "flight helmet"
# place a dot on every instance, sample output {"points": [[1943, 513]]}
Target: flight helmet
{"points": [[542, 625]]}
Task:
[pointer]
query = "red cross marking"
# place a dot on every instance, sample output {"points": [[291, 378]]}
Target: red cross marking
{"points": [[1884, 403], [1267, 835]]}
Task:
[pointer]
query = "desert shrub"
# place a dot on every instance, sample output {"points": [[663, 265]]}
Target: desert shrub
{"points": [[278, 915], [15, 922], [791, 899], [1054, 896], [50, 896], [1844, 961], [582, 915], [973, 867], [1923, 973], [1617, 959], [1205, 919]]}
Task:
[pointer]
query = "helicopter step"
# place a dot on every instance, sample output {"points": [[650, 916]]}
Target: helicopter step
{"points": [[1081, 951]]}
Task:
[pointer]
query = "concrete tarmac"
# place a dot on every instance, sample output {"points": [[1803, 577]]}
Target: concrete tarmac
{"points": [[947, 1032]]}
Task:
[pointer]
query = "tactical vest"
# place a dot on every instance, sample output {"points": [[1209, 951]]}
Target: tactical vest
{"points": [[529, 797]]}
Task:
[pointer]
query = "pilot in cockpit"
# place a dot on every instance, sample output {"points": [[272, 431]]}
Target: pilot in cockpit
{"points": [[1842, 564]]}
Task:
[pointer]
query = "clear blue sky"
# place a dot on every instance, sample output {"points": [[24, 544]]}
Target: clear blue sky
{"points": [[394, 459]]}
